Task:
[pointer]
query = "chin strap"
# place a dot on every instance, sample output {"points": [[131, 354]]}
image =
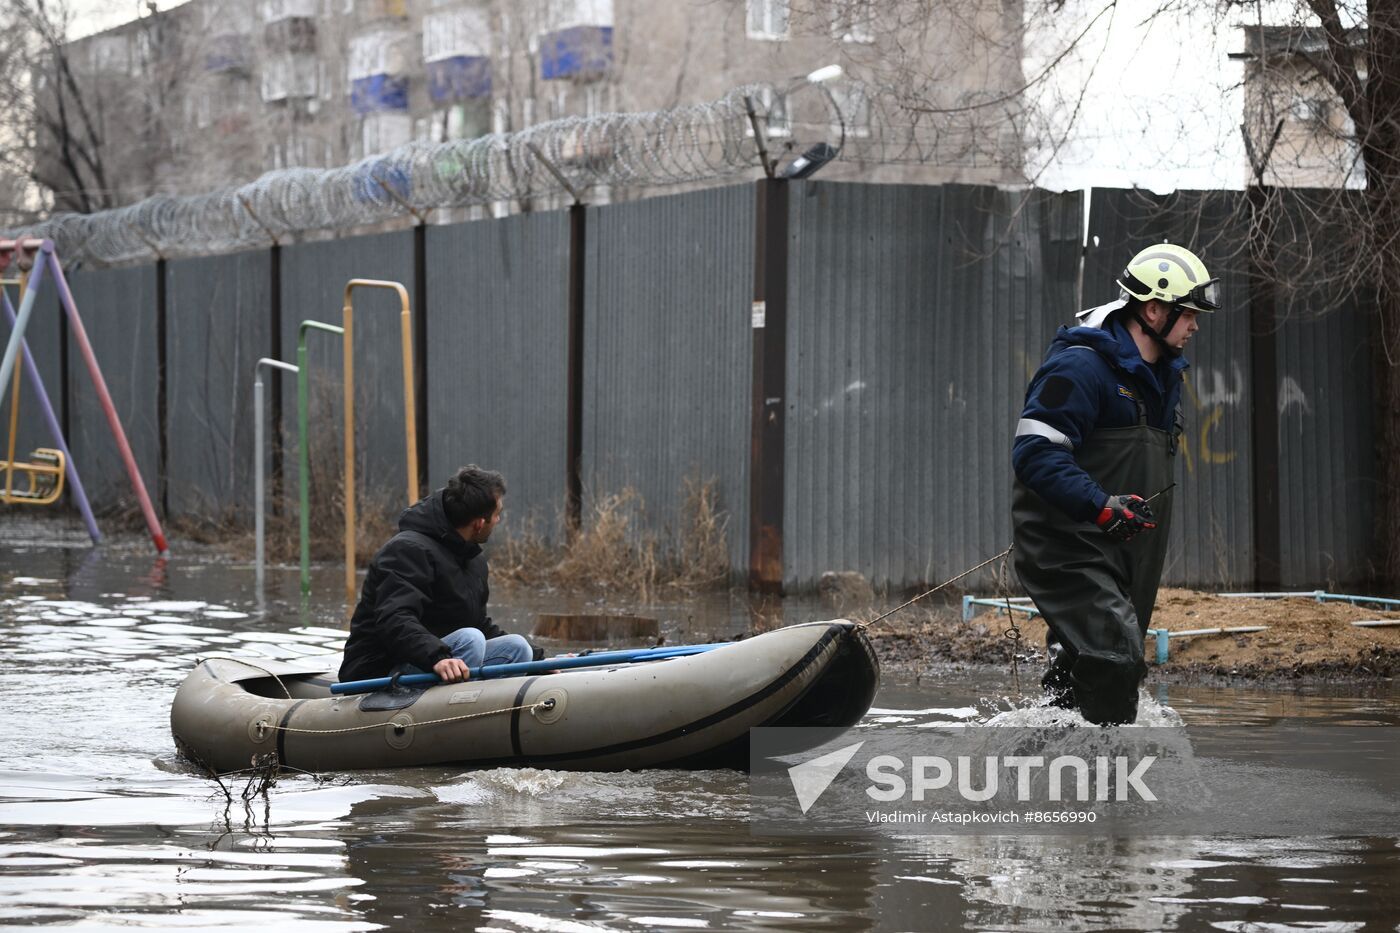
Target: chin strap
{"points": [[1172, 318]]}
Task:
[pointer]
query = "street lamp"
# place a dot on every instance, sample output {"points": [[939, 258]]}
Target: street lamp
{"points": [[818, 155]]}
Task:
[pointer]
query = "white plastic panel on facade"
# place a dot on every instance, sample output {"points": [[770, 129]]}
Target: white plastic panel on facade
{"points": [[569, 13], [450, 33], [378, 53], [288, 76], [277, 10]]}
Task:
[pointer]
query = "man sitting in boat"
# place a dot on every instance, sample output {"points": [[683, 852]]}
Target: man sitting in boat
{"points": [[423, 605]]}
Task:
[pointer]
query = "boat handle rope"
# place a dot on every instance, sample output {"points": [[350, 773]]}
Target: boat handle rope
{"points": [[538, 706], [401, 727]]}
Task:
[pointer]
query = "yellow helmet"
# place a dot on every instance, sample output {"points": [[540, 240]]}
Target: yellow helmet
{"points": [[1172, 274]]}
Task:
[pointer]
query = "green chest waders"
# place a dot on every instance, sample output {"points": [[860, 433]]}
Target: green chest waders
{"points": [[1096, 593]]}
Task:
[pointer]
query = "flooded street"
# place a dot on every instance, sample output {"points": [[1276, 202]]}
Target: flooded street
{"points": [[102, 825]]}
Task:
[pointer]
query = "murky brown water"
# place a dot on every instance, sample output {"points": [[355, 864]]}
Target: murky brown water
{"points": [[103, 826]]}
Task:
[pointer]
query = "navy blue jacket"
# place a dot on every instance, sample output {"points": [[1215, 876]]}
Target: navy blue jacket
{"points": [[1076, 392]]}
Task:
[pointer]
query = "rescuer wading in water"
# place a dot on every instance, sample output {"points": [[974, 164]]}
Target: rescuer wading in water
{"points": [[1099, 435]]}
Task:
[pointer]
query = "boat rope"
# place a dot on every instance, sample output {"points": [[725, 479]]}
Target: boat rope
{"points": [[537, 706], [949, 582], [1012, 632]]}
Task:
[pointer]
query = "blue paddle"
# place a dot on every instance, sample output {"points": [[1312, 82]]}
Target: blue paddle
{"points": [[489, 671]]}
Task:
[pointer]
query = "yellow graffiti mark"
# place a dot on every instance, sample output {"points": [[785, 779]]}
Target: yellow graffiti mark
{"points": [[1185, 442], [1208, 455], [1216, 413]]}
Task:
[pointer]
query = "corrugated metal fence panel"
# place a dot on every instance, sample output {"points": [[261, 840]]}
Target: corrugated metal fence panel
{"points": [[498, 358], [1327, 461], [44, 336], [218, 324], [916, 315], [313, 285], [1212, 529], [668, 352], [118, 309]]}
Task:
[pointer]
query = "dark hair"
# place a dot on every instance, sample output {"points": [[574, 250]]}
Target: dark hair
{"points": [[471, 493]]}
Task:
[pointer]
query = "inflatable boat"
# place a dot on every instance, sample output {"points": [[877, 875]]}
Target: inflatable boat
{"points": [[692, 711]]}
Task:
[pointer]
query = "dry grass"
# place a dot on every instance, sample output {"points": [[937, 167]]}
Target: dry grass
{"points": [[616, 551]]}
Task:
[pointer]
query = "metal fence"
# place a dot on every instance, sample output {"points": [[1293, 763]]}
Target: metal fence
{"points": [[313, 278], [914, 317], [218, 324], [119, 310], [667, 358], [497, 333]]}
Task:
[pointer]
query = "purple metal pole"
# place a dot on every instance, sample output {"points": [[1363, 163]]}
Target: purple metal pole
{"points": [[56, 430]]}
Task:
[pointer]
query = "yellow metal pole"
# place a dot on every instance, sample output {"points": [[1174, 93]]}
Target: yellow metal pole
{"points": [[410, 409], [348, 351], [14, 412]]}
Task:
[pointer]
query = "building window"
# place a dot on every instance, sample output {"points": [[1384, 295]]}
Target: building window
{"points": [[853, 20], [768, 19]]}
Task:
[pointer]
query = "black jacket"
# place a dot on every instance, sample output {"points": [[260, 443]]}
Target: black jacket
{"points": [[424, 583]]}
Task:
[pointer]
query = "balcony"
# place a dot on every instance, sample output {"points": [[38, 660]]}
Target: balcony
{"points": [[289, 77], [274, 11]]}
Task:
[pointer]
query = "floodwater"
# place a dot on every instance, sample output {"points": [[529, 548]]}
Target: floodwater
{"points": [[103, 826]]}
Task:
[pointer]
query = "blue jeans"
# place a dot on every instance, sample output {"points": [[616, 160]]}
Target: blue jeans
{"points": [[472, 646]]}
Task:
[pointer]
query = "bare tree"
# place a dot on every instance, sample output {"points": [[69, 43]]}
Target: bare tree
{"points": [[52, 132]]}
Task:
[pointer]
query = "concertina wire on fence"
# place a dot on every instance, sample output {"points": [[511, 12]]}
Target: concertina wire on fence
{"points": [[683, 144]]}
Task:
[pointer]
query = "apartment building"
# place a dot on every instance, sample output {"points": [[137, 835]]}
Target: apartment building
{"points": [[1291, 113], [214, 92]]}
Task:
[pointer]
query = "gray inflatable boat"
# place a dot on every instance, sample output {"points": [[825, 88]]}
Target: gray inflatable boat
{"points": [[685, 712]]}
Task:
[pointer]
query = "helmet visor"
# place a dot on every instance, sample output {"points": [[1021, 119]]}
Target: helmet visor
{"points": [[1205, 297]]}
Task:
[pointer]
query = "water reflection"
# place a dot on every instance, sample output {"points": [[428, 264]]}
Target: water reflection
{"points": [[103, 825]]}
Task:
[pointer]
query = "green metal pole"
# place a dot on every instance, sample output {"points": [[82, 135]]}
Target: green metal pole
{"points": [[303, 455]]}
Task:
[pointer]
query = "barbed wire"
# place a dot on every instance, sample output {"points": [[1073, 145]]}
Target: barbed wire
{"points": [[689, 143], [686, 144]]}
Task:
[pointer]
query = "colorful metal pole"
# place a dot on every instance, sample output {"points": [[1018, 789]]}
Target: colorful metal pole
{"points": [[410, 411], [46, 408], [548, 665], [303, 454], [259, 443], [75, 323], [26, 309]]}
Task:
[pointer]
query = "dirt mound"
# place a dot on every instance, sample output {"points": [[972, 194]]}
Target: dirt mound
{"points": [[1303, 638]]}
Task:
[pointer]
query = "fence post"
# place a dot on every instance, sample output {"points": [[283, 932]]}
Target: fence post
{"points": [[1263, 376], [573, 444], [274, 274], [162, 383], [767, 423]]}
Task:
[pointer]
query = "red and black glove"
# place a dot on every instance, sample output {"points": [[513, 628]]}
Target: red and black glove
{"points": [[1125, 517]]}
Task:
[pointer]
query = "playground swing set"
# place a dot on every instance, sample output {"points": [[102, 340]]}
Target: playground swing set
{"points": [[49, 466]]}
